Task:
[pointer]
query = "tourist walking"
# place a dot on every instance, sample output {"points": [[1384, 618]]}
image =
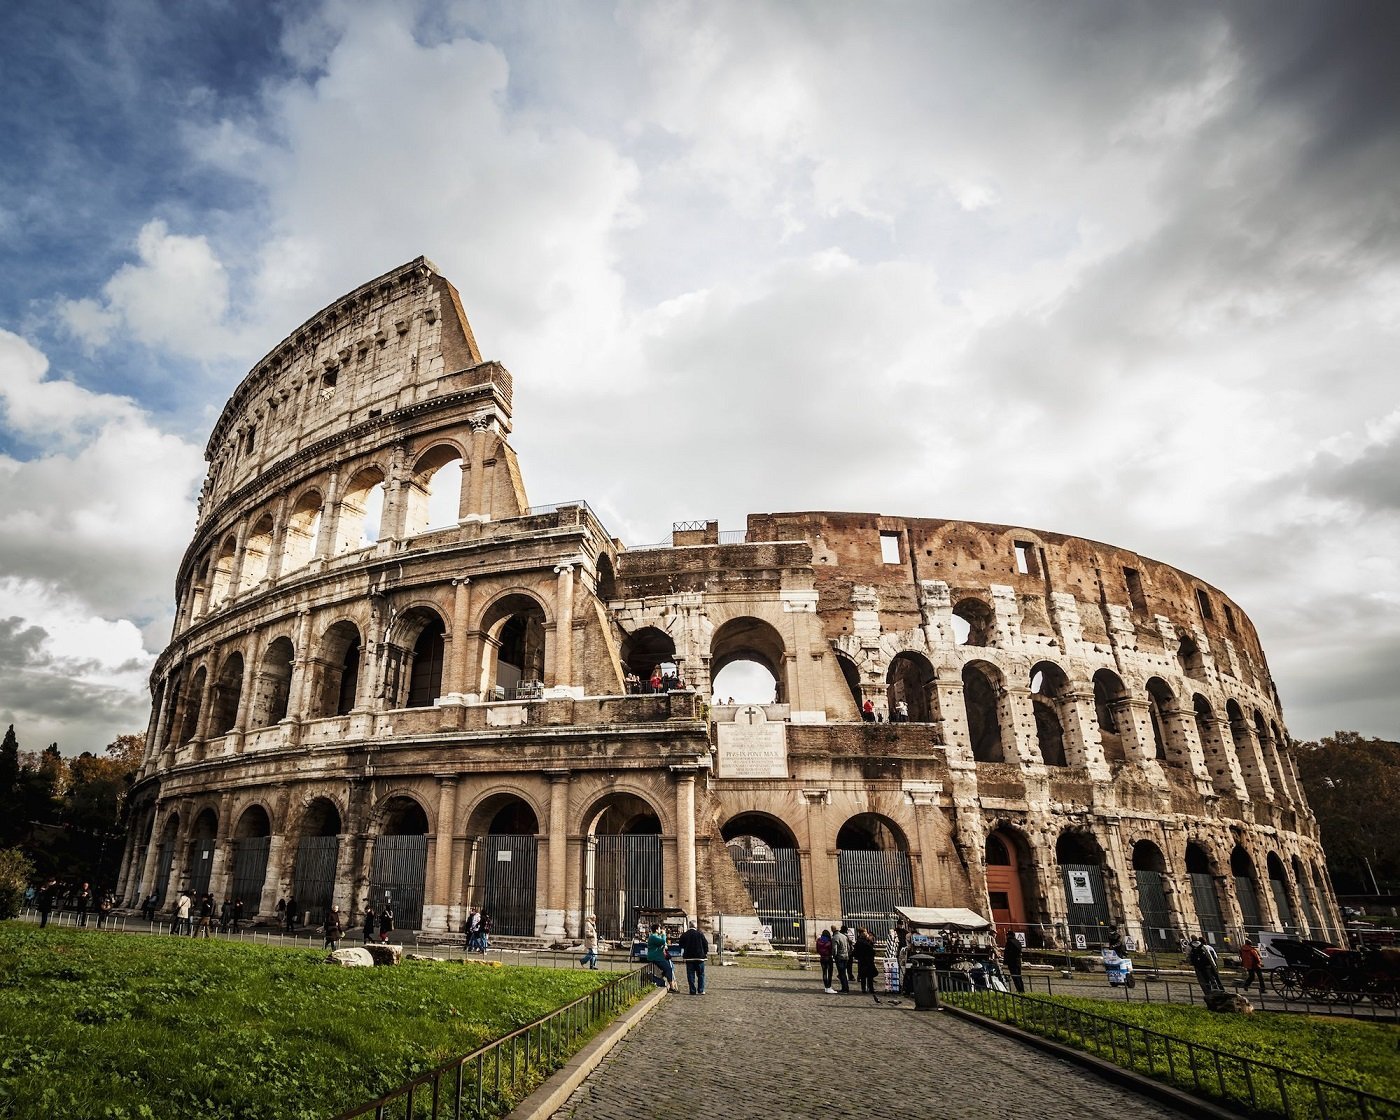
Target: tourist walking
{"points": [[182, 915], [656, 955], [1012, 957], [473, 929], [291, 913], [386, 923], [1253, 964], [841, 953], [371, 920], [333, 929], [590, 943], [225, 916], [863, 953], [206, 916], [148, 908], [694, 951], [824, 958], [1206, 962], [237, 913], [281, 911], [45, 901]]}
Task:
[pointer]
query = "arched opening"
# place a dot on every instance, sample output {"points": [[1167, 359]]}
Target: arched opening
{"points": [[1150, 868], [224, 697], [1305, 896], [400, 862], [1246, 890], [1188, 655], [981, 696], [273, 684], [501, 835], [1278, 887], [221, 575], [606, 587], [1268, 750], [257, 552], [647, 653], [1010, 882], [199, 590], [514, 658], [165, 858], [303, 527], [1049, 686], [359, 520], [1086, 895], [1109, 699], [623, 868], [318, 849], [425, 671], [339, 668], [851, 675], [765, 854], [1159, 701], [433, 494], [194, 706], [252, 838], [874, 871], [974, 623], [1203, 893], [202, 842], [910, 682], [746, 656]]}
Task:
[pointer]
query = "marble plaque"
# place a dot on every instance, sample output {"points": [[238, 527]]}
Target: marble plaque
{"points": [[751, 747]]}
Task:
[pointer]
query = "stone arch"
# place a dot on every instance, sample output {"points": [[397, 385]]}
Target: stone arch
{"points": [[1212, 745], [359, 518], [433, 491], [225, 695], [623, 813], [874, 871], [623, 870], [1245, 750], [399, 865], [317, 855], [273, 683], [1154, 907], [911, 679], [303, 527], [1160, 701], [1011, 883], [850, 673], [199, 589], [645, 650], [165, 856], [605, 583], [503, 841], [1205, 896], [513, 628], [503, 812], [1278, 887], [338, 657], [1082, 869], [1246, 890], [765, 854], [982, 691], [1189, 657], [1110, 702], [257, 554], [751, 640], [203, 840], [221, 572], [415, 658], [974, 622], [1305, 896], [321, 817], [871, 832], [1049, 690]]}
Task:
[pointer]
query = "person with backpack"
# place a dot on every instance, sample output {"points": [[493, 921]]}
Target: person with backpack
{"points": [[841, 951], [824, 950], [1203, 959]]}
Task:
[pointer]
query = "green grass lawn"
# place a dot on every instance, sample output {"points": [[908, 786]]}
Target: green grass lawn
{"points": [[117, 1026], [1361, 1055]]}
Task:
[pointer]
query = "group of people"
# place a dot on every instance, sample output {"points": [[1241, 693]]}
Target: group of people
{"points": [[665, 677], [898, 714], [695, 949], [842, 949], [82, 900], [478, 931]]}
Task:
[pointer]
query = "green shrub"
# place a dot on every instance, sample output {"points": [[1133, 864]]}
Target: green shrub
{"points": [[15, 872]]}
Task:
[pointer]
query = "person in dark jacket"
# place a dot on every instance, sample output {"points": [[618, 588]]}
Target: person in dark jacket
{"points": [[371, 921], [824, 957], [45, 901], [386, 922], [291, 914], [81, 902], [333, 929], [863, 953], [694, 950], [1012, 957]]}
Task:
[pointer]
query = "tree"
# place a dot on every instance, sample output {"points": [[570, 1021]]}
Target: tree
{"points": [[15, 874], [1353, 786]]}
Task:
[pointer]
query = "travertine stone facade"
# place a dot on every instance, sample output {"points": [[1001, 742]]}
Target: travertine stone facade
{"points": [[391, 677]]}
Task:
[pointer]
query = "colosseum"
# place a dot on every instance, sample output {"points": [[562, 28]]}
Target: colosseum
{"points": [[392, 678]]}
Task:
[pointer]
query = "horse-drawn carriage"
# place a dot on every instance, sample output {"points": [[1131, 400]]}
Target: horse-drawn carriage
{"points": [[1330, 975]]}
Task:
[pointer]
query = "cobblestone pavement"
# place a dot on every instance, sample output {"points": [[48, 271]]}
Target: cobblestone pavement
{"points": [[771, 1044]]}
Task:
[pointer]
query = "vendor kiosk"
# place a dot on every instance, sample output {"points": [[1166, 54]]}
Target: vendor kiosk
{"points": [[950, 948]]}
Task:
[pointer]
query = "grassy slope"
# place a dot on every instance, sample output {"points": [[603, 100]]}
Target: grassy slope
{"points": [[107, 1025]]}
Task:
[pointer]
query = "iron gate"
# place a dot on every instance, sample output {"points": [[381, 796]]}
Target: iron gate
{"points": [[201, 865], [313, 876], [1285, 912], [505, 878], [1157, 926], [249, 871], [1086, 900], [1248, 897], [396, 876], [872, 885], [1207, 905], [624, 874], [165, 864], [775, 884]]}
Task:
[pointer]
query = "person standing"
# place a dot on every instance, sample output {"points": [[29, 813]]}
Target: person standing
{"points": [[45, 902], [206, 916], [148, 908], [104, 908], [657, 955], [483, 933], [1253, 964], [182, 915], [695, 948], [281, 911], [370, 920], [1012, 957], [1203, 959], [900, 713], [225, 916], [333, 929], [82, 902], [473, 929], [824, 950], [863, 953], [237, 913], [590, 943], [386, 922], [291, 913], [841, 952]]}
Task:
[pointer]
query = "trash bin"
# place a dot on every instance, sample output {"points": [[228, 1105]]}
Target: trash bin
{"points": [[923, 981]]}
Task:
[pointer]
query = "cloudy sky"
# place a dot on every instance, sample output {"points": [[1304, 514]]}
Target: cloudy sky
{"points": [[1124, 270]]}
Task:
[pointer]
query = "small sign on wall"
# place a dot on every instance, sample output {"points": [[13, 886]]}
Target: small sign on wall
{"points": [[751, 747], [503, 856], [1080, 941], [1081, 890]]}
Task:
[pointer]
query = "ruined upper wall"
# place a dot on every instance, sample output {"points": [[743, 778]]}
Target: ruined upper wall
{"points": [[391, 342]]}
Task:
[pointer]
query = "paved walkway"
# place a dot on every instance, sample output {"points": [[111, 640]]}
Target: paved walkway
{"points": [[771, 1044]]}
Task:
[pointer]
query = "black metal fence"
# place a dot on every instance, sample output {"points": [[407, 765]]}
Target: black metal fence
{"points": [[489, 1081], [1261, 1087]]}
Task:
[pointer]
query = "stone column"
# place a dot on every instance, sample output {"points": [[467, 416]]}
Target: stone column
{"points": [[149, 870], [1019, 742], [1135, 727], [442, 904], [685, 838], [298, 688], [564, 626], [279, 541], [1083, 747], [953, 708], [458, 676], [330, 518], [821, 883], [557, 843], [277, 880], [474, 507]]}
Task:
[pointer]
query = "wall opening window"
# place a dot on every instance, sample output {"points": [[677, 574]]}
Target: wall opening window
{"points": [[1025, 557], [889, 548], [329, 378], [1203, 601], [1229, 617], [1133, 578]]}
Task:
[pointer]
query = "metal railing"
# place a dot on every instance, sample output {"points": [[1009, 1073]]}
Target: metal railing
{"points": [[488, 1081], [1262, 1087]]}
